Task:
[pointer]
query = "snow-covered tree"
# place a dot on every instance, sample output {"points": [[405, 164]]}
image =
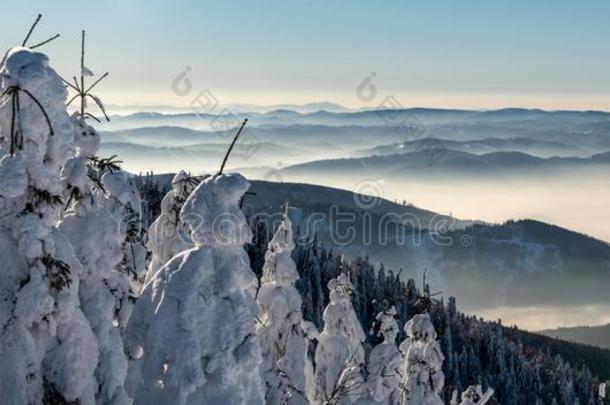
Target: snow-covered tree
{"points": [[168, 235], [94, 228], [47, 347], [123, 202], [383, 381], [339, 355], [192, 333], [473, 395], [97, 240], [283, 340], [423, 377]]}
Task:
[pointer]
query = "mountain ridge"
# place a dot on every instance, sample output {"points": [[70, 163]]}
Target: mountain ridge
{"points": [[597, 335]]}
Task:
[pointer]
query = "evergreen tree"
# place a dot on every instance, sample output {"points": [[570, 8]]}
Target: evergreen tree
{"points": [[122, 200], [423, 377], [192, 333], [168, 235], [47, 345], [104, 290], [283, 341], [339, 356], [383, 381]]}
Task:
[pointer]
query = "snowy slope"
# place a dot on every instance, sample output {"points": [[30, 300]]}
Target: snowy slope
{"points": [[513, 264]]}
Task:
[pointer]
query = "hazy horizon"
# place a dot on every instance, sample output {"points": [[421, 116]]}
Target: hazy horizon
{"points": [[187, 107], [434, 54]]}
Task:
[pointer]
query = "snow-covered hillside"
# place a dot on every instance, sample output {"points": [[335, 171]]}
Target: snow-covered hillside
{"points": [[512, 263]]}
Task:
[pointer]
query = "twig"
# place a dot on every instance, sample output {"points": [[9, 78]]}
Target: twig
{"points": [[224, 161], [68, 83], [13, 117], [13, 91], [92, 116], [99, 104], [45, 41], [25, 41], [27, 37], [96, 82], [71, 100], [46, 117]]}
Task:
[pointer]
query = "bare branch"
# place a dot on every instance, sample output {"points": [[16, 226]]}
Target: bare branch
{"points": [[96, 82], [92, 116], [224, 161], [69, 84], [45, 41], [46, 117], [71, 100], [25, 41], [99, 104]]}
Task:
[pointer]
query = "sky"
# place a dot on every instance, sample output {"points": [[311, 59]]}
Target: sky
{"points": [[433, 53]]}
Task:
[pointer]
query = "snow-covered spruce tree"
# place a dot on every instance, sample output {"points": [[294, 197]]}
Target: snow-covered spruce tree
{"points": [[168, 235], [284, 344], [473, 395], [383, 381], [192, 333], [123, 202], [97, 241], [48, 351], [339, 355], [94, 235], [423, 377]]}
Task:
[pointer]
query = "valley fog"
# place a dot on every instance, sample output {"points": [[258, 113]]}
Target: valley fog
{"points": [[580, 202]]}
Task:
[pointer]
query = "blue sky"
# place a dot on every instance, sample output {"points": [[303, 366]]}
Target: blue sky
{"points": [[484, 54]]}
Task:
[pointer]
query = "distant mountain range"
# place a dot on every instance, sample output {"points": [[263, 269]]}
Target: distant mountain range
{"points": [[590, 335], [118, 109], [534, 147], [440, 162], [551, 132], [299, 108]]}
